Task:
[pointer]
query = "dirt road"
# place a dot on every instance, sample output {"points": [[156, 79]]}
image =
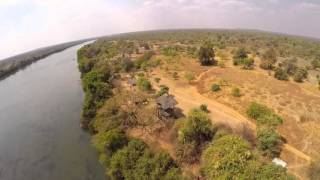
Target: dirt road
{"points": [[188, 97]]}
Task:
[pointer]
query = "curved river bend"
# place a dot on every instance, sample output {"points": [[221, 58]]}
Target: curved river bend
{"points": [[40, 137]]}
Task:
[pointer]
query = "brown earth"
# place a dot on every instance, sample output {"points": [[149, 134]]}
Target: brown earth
{"points": [[289, 99]]}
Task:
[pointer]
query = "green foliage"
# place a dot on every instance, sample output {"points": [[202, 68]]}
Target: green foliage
{"points": [[240, 57], [271, 171], [109, 142], [143, 84], [157, 80], [215, 88], [229, 157], [189, 76], [204, 108], [280, 74], [194, 132], [263, 115], [137, 162], [235, 91], [290, 66], [315, 63], [269, 58], [197, 129], [226, 158], [240, 53], [163, 90], [300, 75], [126, 64], [206, 54], [142, 61], [169, 51], [269, 141]]}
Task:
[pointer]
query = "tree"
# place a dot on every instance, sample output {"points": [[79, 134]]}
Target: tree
{"points": [[264, 115], [269, 58], [136, 161], [269, 142], [300, 74], [143, 84], [198, 128], [226, 158], [280, 74], [206, 54], [240, 53], [193, 134]]}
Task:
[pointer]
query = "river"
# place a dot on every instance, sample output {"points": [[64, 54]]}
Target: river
{"points": [[40, 136]]}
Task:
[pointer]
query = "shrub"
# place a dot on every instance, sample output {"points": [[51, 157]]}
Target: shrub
{"points": [[269, 58], [136, 161], [109, 142], [143, 84], [215, 88], [198, 128], [142, 61], [315, 63], [189, 76], [300, 74], [204, 108], [269, 141], [263, 115], [163, 90], [235, 92], [157, 80], [226, 158], [239, 54], [280, 74]]}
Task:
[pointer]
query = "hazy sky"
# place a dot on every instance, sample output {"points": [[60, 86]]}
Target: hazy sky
{"points": [[29, 24]]}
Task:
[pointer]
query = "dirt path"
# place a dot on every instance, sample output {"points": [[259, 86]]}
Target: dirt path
{"points": [[188, 97]]}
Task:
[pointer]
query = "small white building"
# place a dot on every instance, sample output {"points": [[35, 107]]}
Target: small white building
{"points": [[279, 162]]}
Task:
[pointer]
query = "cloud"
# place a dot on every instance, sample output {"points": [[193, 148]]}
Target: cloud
{"points": [[28, 24]]}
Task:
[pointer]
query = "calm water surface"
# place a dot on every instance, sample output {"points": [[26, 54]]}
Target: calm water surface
{"points": [[40, 137]]}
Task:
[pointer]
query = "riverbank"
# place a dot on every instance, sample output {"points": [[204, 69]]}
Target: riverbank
{"points": [[13, 64]]}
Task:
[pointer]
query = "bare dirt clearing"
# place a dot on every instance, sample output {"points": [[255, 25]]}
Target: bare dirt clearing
{"points": [[227, 110]]}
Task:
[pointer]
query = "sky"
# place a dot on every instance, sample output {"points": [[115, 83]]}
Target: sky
{"points": [[29, 24]]}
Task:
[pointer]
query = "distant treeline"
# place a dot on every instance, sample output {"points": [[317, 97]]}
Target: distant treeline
{"points": [[15, 63]]}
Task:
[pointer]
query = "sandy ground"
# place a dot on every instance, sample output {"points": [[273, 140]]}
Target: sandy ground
{"points": [[189, 97]]}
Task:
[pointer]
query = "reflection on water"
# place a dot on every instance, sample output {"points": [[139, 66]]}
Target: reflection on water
{"points": [[40, 137]]}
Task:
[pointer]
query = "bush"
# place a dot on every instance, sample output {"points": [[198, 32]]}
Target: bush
{"points": [[109, 142], [263, 115], [269, 141], [229, 157], [136, 161], [239, 54], [143, 59], [163, 90], [280, 74], [269, 58], [226, 158], [143, 84], [198, 128], [189, 76], [157, 80], [235, 92], [215, 88], [204, 108], [300, 75]]}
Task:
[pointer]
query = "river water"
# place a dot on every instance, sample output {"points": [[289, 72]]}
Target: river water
{"points": [[40, 137]]}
